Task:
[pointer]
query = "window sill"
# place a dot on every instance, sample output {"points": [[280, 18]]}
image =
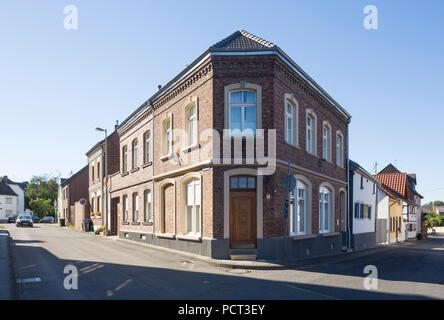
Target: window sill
{"points": [[292, 145], [166, 157], [329, 234], [147, 223], [125, 174], [135, 169], [191, 148], [303, 237], [188, 237], [147, 164], [125, 223], [165, 235], [135, 223]]}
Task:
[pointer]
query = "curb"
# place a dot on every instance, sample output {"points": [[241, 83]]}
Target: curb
{"points": [[15, 292]]}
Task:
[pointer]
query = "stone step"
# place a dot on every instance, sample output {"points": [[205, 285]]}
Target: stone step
{"points": [[243, 257]]}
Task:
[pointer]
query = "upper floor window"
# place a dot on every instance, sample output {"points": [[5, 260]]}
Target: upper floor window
{"points": [[298, 208], [167, 137], [92, 173], [326, 141], [362, 182], [98, 170], [324, 209], [242, 113], [8, 201], [148, 214], [147, 146], [339, 150], [125, 159], [311, 132], [291, 121], [191, 124], [134, 154], [192, 206]]}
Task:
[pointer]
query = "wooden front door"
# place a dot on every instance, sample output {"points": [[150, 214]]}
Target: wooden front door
{"points": [[114, 206], [243, 214]]}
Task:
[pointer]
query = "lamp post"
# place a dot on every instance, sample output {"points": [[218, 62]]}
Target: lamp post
{"points": [[106, 178]]}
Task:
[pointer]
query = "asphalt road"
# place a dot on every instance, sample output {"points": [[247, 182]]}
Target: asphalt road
{"points": [[110, 269]]}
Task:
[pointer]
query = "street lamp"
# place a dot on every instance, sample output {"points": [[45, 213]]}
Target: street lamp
{"points": [[106, 177]]}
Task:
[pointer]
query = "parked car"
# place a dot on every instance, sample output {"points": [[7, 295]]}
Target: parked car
{"points": [[35, 219], [47, 219], [12, 218], [24, 220]]}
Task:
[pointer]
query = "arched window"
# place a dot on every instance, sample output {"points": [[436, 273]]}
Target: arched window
{"points": [[324, 209], [98, 203], [98, 171], [147, 147], [311, 132], [339, 150], [167, 145], [134, 154], [242, 112], [298, 209], [191, 124], [326, 141], [192, 207], [125, 159], [125, 208], [291, 120], [148, 206], [135, 207]]}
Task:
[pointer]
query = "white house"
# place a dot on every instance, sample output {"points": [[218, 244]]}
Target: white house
{"points": [[363, 197], [383, 219], [12, 198]]}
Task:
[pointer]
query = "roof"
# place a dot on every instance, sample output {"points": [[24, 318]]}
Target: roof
{"points": [[243, 42], [390, 192], [66, 181], [22, 185], [390, 168], [395, 181], [6, 190], [353, 166]]}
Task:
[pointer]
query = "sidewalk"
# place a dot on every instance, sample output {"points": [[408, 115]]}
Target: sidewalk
{"points": [[6, 272]]}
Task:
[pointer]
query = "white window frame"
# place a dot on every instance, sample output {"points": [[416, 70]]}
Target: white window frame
{"points": [[295, 198], [311, 146], [192, 123], [340, 149], [291, 136], [167, 136], [135, 207], [148, 206], [325, 216], [196, 208], [147, 146], [326, 141], [134, 153], [125, 159], [125, 208]]}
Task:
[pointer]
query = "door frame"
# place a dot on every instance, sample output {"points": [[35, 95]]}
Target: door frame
{"points": [[259, 199]]}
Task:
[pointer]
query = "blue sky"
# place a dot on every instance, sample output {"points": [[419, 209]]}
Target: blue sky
{"points": [[57, 85]]}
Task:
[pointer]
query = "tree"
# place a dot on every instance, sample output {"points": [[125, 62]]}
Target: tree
{"points": [[41, 193], [433, 220]]}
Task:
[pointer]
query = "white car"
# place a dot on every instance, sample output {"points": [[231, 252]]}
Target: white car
{"points": [[24, 220]]}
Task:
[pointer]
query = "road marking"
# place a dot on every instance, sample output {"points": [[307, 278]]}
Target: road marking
{"points": [[312, 292], [28, 280], [438, 249]]}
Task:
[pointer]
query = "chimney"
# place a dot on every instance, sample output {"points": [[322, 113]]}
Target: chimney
{"points": [[116, 125], [159, 87]]}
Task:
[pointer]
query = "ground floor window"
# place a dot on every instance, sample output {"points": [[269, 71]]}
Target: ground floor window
{"points": [[192, 207], [298, 208], [324, 209]]}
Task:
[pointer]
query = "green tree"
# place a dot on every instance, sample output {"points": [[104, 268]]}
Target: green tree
{"points": [[41, 193], [433, 220]]}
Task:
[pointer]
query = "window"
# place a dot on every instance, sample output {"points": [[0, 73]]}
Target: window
{"points": [[98, 203], [135, 207], [243, 183], [324, 209], [8, 200], [362, 182], [92, 173], [167, 137], [374, 188], [92, 205], [291, 123], [125, 159], [192, 207], [326, 141], [98, 170], [147, 146], [298, 203], [125, 208], [191, 124], [148, 216], [339, 150], [134, 154], [242, 113], [311, 132]]}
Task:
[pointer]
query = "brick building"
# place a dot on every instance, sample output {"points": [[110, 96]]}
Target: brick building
{"points": [[97, 187], [73, 190], [227, 131]]}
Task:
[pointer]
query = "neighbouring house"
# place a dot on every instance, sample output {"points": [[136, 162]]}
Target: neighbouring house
{"points": [[99, 199], [194, 177], [74, 189], [439, 210], [405, 185], [363, 198], [388, 226], [60, 213], [11, 203]]}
